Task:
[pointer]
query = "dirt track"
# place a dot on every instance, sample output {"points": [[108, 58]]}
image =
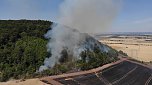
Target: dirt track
{"points": [[52, 78], [122, 72]]}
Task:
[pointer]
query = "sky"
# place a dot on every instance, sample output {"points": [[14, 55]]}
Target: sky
{"points": [[134, 15]]}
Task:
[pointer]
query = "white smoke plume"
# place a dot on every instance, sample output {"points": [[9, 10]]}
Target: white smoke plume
{"points": [[85, 16], [88, 16]]}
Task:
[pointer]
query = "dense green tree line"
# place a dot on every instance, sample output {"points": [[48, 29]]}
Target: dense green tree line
{"points": [[22, 47]]}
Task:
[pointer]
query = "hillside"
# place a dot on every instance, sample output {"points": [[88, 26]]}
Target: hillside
{"points": [[23, 50]]}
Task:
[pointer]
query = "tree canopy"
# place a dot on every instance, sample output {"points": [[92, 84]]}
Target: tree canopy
{"points": [[22, 47]]}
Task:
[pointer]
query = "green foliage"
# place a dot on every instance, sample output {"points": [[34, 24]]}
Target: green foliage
{"points": [[23, 50], [121, 52], [22, 47], [94, 59], [57, 69]]}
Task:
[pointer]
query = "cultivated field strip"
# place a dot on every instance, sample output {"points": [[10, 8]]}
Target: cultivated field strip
{"points": [[82, 80], [124, 73], [137, 77], [149, 80], [118, 72]]}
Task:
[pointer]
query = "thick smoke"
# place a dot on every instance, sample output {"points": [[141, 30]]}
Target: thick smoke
{"points": [[88, 16], [60, 38], [85, 16]]}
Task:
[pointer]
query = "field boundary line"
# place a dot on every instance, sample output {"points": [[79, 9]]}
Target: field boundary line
{"points": [[125, 75]]}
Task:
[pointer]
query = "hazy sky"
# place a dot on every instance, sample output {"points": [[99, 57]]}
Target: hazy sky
{"points": [[134, 16]]}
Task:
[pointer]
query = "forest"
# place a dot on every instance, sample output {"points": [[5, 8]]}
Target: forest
{"points": [[22, 47], [23, 50]]}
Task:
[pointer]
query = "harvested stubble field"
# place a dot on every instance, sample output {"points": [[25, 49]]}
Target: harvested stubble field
{"points": [[139, 49]]}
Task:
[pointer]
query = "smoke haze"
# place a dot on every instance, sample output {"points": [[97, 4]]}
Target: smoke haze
{"points": [[77, 17], [88, 16]]}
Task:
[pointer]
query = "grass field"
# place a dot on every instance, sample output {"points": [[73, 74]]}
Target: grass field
{"points": [[139, 49]]}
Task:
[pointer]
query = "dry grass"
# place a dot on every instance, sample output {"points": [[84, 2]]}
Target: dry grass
{"points": [[26, 82], [137, 49]]}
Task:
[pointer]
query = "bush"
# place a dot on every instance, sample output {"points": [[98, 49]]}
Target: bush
{"points": [[121, 52]]}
